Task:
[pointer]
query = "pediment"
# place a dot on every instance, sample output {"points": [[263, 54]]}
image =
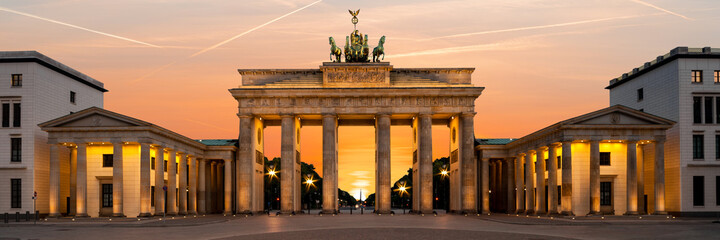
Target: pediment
{"points": [[618, 115], [95, 117]]}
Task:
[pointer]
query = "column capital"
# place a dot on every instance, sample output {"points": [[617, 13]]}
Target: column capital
{"points": [[241, 115], [468, 114], [329, 115], [425, 115], [631, 141], [116, 140], [659, 138], [382, 114], [287, 115], [553, 145]]}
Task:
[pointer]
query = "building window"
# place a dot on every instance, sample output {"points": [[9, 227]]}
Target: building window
{"points": [[72, 97], [152, 163], [717, 190], [16, 114], [709, 110], [152, 196], [16, 80], [696, 76], [717, 146], [107, 195], [559, 162], [640, 94], [605, 193], [165, 165], [697, 109], [698, 147], [6, 115], [716, 76], [698, 191], [16, 193], [107, 160], [604, 159], [15, 149], [547, 166]]}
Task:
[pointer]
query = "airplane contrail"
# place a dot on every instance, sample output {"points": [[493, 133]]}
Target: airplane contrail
{"points": [[661, 9], [78, 27], [221, 43], [251, 30], [541, 26]]}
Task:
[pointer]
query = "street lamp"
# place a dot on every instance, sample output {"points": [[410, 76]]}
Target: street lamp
{"points": [[445, 174], [403, 191], [310, 183], [271, 174]]}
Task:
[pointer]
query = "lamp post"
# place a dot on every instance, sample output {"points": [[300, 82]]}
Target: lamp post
{"points": [[445, 174], [310, 183], [403, 191], [271, 174]]}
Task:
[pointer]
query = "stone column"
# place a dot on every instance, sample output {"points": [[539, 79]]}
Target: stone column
{"points": [[552, 179], [192, 200], [159, 180], [54, 197], [540, 182], [468, 161], [73, 180], [81, 198], [118, 178], [382, 164], [330, 170], [566, 186], [510, 187], [594, 177], [245, 163], [641, 180], [660, 176], [172, 183], [287, 174], [145, 180], [519, 184], [228, 186], [211, 193], [529, 184], [201, 186], [425, 160], [183, 190], [632, 194], [485, 184], [493, 175]]}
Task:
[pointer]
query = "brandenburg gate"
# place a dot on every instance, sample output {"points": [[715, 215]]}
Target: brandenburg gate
{"points": [[357, 94]]}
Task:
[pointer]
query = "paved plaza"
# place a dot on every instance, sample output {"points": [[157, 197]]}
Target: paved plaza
{"points": [[367, 226]]}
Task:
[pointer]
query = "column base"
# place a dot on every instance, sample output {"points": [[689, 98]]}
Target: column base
{"points": [[631, 213], [118, 215], [81, 215], [567, 213], [529, 212], [54, 215], [384, 211], [540, 212], [171, 214], [552, 213], [329, 211], [227, 213], [145, 214], [182, 213], [519, 211], [659, 213], [192, 213], [595, 213], [159, 214]]}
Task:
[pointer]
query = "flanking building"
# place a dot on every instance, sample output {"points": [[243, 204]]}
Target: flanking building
{"points": [[683, 86], [33, 89]]}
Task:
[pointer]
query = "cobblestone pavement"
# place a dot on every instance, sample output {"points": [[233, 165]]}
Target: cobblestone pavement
{"points": [[366, 226]]}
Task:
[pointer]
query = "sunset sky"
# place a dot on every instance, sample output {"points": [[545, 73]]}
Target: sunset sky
{"points": [[171, 62]]}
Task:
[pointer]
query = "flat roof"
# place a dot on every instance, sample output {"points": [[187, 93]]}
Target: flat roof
{"points": [[678, 52], [39, 58]]}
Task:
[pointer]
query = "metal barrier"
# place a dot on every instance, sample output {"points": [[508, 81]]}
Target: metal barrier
{"points": [[6, 217], [27, 216], [17, 216]]}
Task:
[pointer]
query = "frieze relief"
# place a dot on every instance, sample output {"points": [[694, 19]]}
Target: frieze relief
{"points": [[357, 102], [355, 77]]}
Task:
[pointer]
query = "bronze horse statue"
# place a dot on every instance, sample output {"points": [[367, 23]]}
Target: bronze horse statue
{"points": [[334, 51], [379, 50]]}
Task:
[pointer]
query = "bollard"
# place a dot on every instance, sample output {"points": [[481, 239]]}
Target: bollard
{"points": [[37, 215], [7, 217], [17, 216], [27, 216]]}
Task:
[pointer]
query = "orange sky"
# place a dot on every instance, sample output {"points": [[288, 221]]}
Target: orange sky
{"points": [[541, 61]]}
